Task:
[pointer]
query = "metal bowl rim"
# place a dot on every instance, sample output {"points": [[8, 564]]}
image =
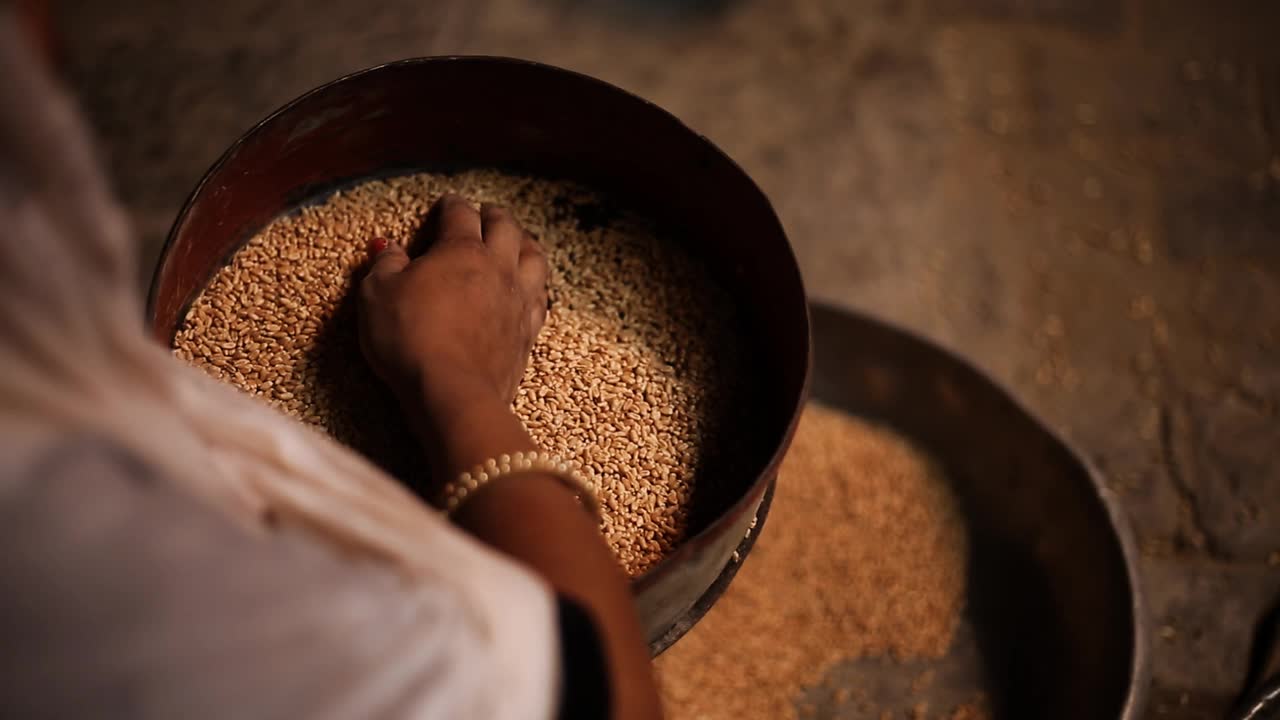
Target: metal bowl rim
{"points": [[769, 469]]}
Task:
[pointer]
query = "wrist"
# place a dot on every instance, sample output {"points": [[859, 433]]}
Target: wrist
{"points": [[463, 429]]}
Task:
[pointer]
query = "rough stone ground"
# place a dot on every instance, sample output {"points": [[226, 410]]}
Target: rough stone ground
{"points": [[1080, 196]]}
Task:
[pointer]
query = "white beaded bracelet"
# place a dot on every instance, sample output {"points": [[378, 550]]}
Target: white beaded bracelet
{"points": [[455, 493]]}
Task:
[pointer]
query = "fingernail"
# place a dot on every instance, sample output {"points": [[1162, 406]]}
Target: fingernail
{"points": [[377, 245]]}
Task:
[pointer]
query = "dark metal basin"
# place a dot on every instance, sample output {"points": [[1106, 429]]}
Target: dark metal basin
{"points": [[438, 113], [1055, 627]]}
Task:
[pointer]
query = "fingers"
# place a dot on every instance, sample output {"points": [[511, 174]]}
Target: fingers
{"points": [[532, 276], [502, 233], [452, 220], [390, 260]]}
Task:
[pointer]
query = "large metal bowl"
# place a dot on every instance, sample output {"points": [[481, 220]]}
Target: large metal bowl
{"points": [[1055, 627], [454, 112]]}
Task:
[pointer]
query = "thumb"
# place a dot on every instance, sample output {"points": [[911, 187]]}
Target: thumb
{"points": [[388, 260]]}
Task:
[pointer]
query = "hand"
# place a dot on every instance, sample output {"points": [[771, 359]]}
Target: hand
{"points": [[452, 329], [450, 332]]}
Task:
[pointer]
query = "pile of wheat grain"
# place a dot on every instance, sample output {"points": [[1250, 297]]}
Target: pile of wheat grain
{"points": [[864, 554], [632, 377]]}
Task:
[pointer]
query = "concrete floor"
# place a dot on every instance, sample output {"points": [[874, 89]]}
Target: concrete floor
{"points": [[1080, 196]]}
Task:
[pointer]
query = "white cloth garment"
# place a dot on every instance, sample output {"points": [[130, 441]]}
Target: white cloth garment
{"points": [[140, 578]]}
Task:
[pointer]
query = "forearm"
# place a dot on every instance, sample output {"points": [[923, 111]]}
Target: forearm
{"points": [[536, 519]]}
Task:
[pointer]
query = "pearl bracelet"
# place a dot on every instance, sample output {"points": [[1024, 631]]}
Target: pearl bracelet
{"points": [[455, 493]]}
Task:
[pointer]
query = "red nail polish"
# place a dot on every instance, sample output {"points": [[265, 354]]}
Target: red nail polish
{"points": [[377, 245]]}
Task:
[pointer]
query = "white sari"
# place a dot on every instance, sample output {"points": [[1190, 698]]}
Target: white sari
{"points": [[141, 578]]}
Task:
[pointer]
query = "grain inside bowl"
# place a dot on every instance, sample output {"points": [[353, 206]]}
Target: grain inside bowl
{"points": [[866, 557], [639, 374]]}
